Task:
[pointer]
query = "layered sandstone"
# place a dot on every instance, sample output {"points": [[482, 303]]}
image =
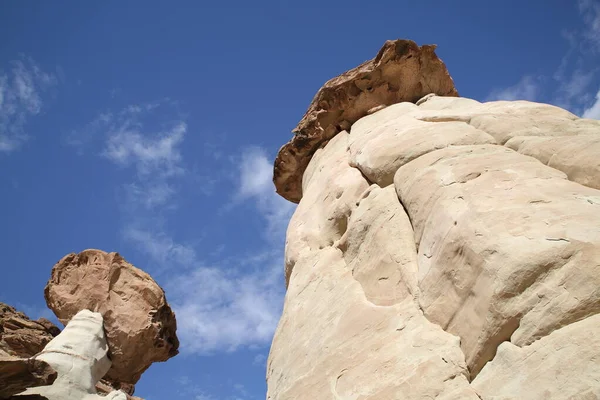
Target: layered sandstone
{"points": [[445, 249], [17, 374], [140, 326], [21, 336]]}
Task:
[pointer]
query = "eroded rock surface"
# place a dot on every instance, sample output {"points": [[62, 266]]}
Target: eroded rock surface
{"points": [[24, 338], [17, 374], [79, 355], [140, 326], [508, 247], [21, 336], [562, 365], [401, 71], [444, 249]]}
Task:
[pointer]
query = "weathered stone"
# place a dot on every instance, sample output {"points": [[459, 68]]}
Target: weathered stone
{"points": [[381, 143], [577, 156], [562, 365], [22, 337], [17, 374], [508, 248], [401, 71], [333, 343], [80, 357], [498, 247], [140, 326], [379, 248], [332, 189]]}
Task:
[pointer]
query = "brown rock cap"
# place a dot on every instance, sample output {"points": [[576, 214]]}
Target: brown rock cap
{"points": [[140, 326], [401, 71]]}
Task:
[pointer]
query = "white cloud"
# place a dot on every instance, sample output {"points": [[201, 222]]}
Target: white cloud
{"points": [[590, 12], [226, 307], [220, 307], [256, 183], [256, 174], [526, 89], [21, 91], [161, 248], [594, 110], [574, 88], [577, 70], [158, 153]]}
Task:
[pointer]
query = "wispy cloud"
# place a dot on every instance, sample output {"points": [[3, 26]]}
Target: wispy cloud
{"points": [[158, 153], [576, 73], [21, 91], [256, 184], [594, 110], [590, 12], [225, 307], [526, 89], [221, 306]]}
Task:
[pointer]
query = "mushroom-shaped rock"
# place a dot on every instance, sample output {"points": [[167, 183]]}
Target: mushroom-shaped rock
{"points": [[402, 71], [79, 355], [140, 326]]}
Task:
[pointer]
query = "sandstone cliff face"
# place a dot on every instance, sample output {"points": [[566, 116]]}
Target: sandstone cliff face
{"points": [[446, 249]]}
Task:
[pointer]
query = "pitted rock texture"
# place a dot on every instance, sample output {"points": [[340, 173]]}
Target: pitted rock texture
{"points": [[140, 326], [445, 249], [401, 71], [17, 374]]}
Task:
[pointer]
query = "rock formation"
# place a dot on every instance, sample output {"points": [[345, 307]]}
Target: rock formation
{"points": [[441, 248], [18, 374], [140, 326], [20, 340], [79, 354], [22, 337], [401, 71]]}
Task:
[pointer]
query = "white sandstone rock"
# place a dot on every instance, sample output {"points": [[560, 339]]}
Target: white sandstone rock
{"points": [[386, 143], [79, 354], [562, 365], [332, 343], [379, 248], [577, 156], [484, 264], [508, 247], [331, 189]]}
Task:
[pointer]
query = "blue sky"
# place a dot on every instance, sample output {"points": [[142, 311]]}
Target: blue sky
{"points": [[149, 128]]}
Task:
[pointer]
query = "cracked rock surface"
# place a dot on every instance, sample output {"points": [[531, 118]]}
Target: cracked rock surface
{"points": [[401, 71], [140, 326], [445, 249]]}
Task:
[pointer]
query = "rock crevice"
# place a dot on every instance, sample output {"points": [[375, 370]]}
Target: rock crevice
{"points": [[437, 237]]}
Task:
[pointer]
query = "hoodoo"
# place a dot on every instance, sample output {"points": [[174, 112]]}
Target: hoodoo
{"points": [[441, 247]]}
